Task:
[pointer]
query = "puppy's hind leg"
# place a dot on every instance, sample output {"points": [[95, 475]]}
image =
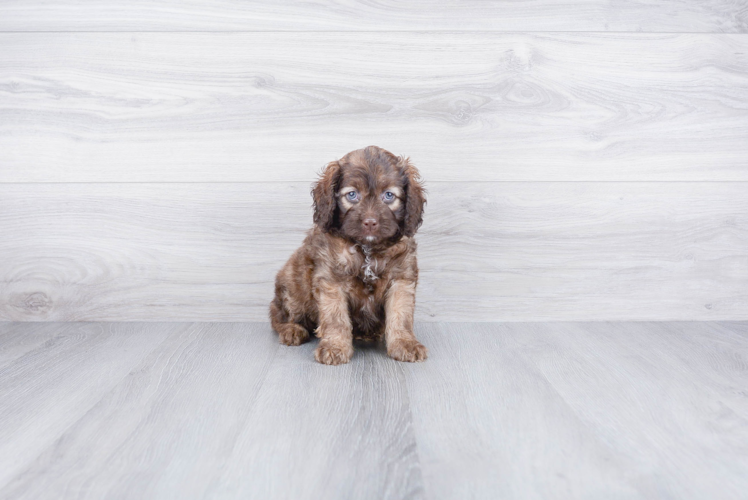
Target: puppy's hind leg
{"points": [[289, 332]]}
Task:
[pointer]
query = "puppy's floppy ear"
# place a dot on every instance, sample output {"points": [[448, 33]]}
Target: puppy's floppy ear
{"points": [[415, 197], [324, 196]]}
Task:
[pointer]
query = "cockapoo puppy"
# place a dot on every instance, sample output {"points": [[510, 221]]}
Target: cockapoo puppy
{"points": [[355, 275]]}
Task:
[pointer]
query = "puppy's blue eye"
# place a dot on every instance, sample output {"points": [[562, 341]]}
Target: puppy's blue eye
{"points": [[388, 196], [352, 195]]}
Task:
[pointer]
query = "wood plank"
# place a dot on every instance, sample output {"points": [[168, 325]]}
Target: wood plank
{"points": [[167, 429], [490, 425], [235, 107], [487, 252], [678, 428], [516, 410], [585, 251], [716, 354], [202, 417], [327, 432], [17, 339], [51, 387], [564, 410], [467, 15]]}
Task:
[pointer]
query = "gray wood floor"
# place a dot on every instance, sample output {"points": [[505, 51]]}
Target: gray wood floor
{"points": [[500, 410]]}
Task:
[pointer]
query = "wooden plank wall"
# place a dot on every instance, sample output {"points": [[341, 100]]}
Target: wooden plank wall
{"points": [[586, 160]]}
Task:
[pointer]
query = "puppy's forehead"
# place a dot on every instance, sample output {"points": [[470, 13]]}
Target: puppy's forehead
{"points": [[370, 171]]}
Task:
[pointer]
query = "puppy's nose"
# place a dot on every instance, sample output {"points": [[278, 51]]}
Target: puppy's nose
{"points": [[370, 224]]}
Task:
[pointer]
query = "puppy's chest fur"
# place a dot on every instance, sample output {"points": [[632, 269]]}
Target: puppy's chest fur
{"points": [[367, 276]]}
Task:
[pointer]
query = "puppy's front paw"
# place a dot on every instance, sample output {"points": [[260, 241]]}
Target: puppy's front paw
{"points": [[292, 334], [330, 353], [407, 350]]}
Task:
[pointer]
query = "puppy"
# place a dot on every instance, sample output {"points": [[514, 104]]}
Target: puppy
{"points": [[355, 275]]}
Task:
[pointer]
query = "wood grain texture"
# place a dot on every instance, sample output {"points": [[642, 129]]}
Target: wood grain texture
{"points": [[487, 251], [595, 410], [214, 413], [166, 429], [17, 339], [490, 425], [664, 405], [327, 432], [52, 386], [468, 15], [230, 107], [516, 411]]}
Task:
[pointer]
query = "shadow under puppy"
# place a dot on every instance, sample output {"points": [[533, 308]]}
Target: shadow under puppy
{"points": [[355, 275]]}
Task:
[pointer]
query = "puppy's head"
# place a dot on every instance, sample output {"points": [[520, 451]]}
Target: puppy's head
{"points": [[369, 196]]}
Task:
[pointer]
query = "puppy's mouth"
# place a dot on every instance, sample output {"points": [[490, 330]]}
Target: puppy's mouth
{"points": [[370, 231]]}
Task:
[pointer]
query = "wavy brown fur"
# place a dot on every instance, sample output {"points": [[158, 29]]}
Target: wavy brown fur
{"points": [[356, 273]]}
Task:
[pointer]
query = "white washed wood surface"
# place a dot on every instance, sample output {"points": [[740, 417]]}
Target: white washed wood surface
{"points": [[188, 398], [223, 411], [321, 433], [80, 364], [487, 251], [582, 410], [228, 107], [516, 411], [20, 338], [490, 425], [664, 404], [466, 15]]}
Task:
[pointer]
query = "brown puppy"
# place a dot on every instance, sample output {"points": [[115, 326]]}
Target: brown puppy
{"points": [[355, 275]]}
